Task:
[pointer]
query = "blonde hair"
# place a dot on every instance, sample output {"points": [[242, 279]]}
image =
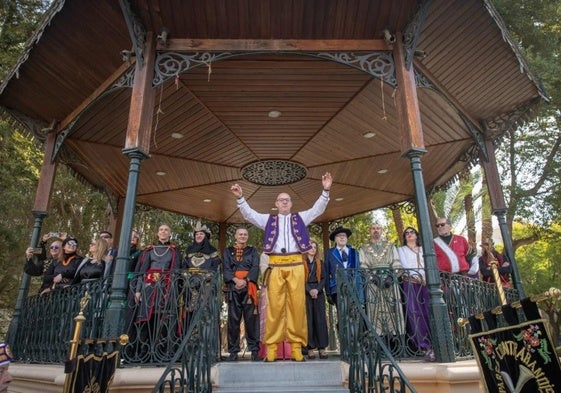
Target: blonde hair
{"points": [[102, 248]]}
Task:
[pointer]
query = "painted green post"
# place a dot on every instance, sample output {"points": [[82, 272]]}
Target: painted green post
{"points": [[26, 279], [440, 324], [114, 316]]}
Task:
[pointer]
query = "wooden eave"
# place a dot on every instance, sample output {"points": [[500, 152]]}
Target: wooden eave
{"points": [[472, 68]]}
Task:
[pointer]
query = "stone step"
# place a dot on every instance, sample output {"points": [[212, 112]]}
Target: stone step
{"points": [[280, 376], [283, 389]]}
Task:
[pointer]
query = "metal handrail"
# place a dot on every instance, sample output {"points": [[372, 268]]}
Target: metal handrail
{"points": [[372, 368], [190, 367]]}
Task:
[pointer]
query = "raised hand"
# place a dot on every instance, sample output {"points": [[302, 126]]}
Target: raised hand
{"points": [[236, 190], [326, 181]]}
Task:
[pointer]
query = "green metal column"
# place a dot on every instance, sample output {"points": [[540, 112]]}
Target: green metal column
{"points": [[114, 316], [26, 279], [440, 325]]}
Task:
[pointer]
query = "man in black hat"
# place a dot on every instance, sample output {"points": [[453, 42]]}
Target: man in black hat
{"points": [[342, 256]]}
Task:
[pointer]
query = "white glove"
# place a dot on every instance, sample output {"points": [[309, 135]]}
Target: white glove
{"points": [[474, 269]]}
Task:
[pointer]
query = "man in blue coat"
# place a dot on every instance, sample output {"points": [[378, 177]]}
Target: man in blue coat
{"points": [[342, 256]]}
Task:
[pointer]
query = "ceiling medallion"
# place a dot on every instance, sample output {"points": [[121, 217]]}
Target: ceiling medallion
{"points": [[273, 172]]}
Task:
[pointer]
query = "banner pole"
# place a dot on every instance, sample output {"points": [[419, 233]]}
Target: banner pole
{"points": [[78, 321]]}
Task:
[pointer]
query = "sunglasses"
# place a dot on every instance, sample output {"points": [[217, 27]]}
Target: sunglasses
{"points": [[72, 243], [440, 225], [410, 232], [54, 247]]}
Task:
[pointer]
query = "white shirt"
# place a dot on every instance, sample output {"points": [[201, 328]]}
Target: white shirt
{"points": [[411, 260], [285, 240]]}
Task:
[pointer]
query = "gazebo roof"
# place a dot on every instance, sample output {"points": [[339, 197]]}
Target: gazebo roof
{"points": [[212, 119]]}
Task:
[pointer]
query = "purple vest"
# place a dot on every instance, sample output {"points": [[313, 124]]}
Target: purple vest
{"points": [[298, 230]]}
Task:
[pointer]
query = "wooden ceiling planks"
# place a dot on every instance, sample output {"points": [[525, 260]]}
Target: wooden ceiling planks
{"points": [[222, 115]]}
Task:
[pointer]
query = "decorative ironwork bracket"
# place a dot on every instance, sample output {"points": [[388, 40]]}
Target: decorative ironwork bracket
{"points": [[136, 29], [412, 31], [61, 137], [503, 123], [476, 135], [169, 64], [422, 81], [408, 207], [37, 128]]}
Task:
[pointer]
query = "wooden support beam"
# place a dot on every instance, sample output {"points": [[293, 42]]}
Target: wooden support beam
{"points": [[222, 237], [46, 176], [95, 95], [455, 103], [141, 111], [496, 195], [407, 104], [220, 45]]}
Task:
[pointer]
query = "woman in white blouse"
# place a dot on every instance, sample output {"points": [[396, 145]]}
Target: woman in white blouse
{"points": [[415, 291]]}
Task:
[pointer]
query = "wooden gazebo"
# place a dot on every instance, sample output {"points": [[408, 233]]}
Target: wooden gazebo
{"points": [[167, 103]]}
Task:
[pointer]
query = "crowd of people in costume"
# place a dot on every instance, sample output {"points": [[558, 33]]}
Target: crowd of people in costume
{"points": [[288, 313]]}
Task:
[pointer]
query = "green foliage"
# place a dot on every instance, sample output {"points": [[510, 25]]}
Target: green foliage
{"points": [[360, 225], [18, 178], [540, 264], [18, 20], [529, 158]]}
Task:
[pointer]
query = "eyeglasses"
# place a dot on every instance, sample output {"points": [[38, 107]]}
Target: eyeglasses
{"points": [[54, 247], [72, 243], [283, 200], [410, 232], [440, 224]]}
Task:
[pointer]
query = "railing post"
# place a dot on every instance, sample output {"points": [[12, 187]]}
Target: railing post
{"points": [[26, 279], [440, 324]]}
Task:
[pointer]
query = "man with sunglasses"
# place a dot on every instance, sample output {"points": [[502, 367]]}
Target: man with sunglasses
{"points": [[453, 252], [37, 264]]}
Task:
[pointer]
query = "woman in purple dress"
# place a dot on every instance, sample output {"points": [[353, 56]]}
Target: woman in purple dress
{"points": [[415, 291]]}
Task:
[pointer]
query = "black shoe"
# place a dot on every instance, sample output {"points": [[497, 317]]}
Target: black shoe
{"points": [[255, 356], [232, 358]]}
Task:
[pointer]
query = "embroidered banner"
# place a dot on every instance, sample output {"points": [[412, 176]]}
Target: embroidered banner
{"points": [[518, 359], [94, 374]]}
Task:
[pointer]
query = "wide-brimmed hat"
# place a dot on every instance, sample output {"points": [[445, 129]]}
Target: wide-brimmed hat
{"points": [[5, 354], [339, 230]]}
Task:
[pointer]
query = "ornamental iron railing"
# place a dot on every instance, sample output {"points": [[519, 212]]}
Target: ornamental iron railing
{"points": [[156, 324], [189, 370], [396, 304], [372, 367], [48, 321]]}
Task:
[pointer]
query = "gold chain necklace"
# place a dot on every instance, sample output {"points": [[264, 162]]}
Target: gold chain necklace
{"points": [[164, 253], [377, 257]]}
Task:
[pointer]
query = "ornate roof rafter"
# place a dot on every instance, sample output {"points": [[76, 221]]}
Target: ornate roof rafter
{"points": [[412, 31], [136, 29]]}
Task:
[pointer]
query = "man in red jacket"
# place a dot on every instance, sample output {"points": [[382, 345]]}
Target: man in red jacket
{"points": [[453, 252]]}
